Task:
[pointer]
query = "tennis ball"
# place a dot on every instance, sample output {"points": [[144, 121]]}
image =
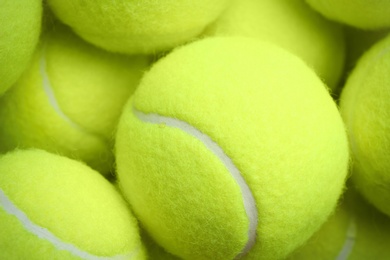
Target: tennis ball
{"points": [[20, 26], [69, 100], [224, 149], [365, 108], [137, 26], [364, 14], [355, 231], [52, 207], [292, 25]]}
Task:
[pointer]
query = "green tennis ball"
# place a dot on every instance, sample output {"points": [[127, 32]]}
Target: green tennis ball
{"points": [[292, 25], [69, 100], [52, 207], [355, 231], [20, 26], [365, 108], [224, 150], [141, 26], [364, 14]]}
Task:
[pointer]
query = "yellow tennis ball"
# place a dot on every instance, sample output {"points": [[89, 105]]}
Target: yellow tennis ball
{"points": [[20, 26], [141, 26], [69, 100], [365, 108], [355, 231], [224, 150], [365, 14], [292, 25], [52, 207]]}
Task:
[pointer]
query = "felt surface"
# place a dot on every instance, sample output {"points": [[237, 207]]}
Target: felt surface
{"points": [[20, 26], [364, 14], [243, 94], [292, 25], [365, 109], [88, 89], [369, 239], [138, 26], [68, 199]]}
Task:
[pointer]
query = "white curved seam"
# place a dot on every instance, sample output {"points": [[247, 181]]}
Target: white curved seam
{"points": [[349, 241], [248, 198], [45, 234], [51, 96]]}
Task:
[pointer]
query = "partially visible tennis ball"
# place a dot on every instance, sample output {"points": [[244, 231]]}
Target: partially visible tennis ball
{"points": [[355, 231], [365, 108], [292, 25], [69, 100], [141, 26], [52, 207], [20, 26], [225, 147], [365, 14]]}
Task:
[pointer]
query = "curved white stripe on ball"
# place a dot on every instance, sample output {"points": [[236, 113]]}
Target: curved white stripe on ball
{"points": [[50, 94], [45, 234], [349, 241], [248, 199]]}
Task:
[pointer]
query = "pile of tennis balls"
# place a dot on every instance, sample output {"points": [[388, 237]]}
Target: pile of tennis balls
{"points": [[193, 129]]}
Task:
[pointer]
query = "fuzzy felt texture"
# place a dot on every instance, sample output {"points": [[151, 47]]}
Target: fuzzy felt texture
{"points": [[364, 14], [145, 26], [70, 200], [69, 100], [365, 108], [20, 26], [278, 125], [292, 25], [368, 239]]}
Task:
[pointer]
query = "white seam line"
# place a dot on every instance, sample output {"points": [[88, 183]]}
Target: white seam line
{"points": [[349, 241], [48, 90], [248, 199], [51, 96], [46, 235]]}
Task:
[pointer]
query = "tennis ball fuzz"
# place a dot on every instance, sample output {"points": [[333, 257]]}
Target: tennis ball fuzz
{"points": [[355, 231], [141, 26], [364, 14], [224, 149], [69, 100], [292, 25], [52, 207], [365, 108], [20, 26]]}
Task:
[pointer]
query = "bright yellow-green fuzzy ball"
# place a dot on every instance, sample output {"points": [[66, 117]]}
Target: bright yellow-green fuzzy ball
{"points": [[292, 25], [225, 149], [356, 231], [20, 26], [52, 207], [69, 100], [365, 108], [365, 14], [141, 26]]}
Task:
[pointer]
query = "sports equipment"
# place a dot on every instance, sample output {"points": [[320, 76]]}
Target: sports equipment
{"points": [[356, 231], [365, 109], [365, 14], [141, 26], [224, 149], [292, 25], [69, 100], [52, 207], [20, 26]]}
